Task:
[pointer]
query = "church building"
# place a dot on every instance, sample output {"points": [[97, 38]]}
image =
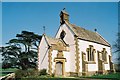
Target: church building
{"points": [[74, 51]]}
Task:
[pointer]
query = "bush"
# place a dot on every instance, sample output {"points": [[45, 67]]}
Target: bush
{"points": [[43, 72], [30, 73], [53, 75], [20, 74], [25, 73]]}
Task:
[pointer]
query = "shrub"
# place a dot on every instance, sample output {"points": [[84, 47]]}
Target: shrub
{"points": [[20, 73], [53, 75], [25, 73], [32, 72], [43, 72]]}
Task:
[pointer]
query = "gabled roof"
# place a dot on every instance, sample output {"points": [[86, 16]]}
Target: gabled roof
{"points": [[87, 35], [55, 43]]}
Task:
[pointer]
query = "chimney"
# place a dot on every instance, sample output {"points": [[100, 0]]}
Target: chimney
{"points": [[64, 16]]}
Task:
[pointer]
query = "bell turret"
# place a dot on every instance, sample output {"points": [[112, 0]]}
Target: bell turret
{"points": [[64, 16]]}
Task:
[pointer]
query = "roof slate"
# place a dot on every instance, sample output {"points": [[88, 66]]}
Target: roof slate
{"points": [[54, 41], [87, 35]]}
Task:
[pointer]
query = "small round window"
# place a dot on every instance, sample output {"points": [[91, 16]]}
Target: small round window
{"points": [[62, 35]]}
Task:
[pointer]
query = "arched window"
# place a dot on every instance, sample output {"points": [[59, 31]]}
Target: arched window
{"points": [[104, 54], [90, 53], [62, 35]]}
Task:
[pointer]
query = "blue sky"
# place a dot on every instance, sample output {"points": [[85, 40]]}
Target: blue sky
{"points": [[19, 16], [0, 27], [60, 0]]}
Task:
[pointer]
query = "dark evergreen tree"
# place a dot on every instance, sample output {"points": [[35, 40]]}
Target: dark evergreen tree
{"points": [[21, 52]]}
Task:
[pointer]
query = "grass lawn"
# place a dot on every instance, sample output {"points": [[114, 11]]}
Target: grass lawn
{"points": [[4, 72], [107, 76], [55, 78], [112, 76]]}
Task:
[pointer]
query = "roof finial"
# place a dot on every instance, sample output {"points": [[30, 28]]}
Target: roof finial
{"points": [[95, 30]]}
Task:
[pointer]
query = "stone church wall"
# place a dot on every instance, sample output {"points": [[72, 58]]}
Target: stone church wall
{"points": [[69, 39], [83, 45], [43, 55]]}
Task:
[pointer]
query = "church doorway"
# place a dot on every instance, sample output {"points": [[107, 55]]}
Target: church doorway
{"points": [[100, 63], [59, 68], [100, 66]]}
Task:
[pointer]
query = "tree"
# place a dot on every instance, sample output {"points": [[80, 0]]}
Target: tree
{"points": [[117, 46], [21, 53]]}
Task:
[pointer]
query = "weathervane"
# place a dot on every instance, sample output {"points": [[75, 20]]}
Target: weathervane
{"points": [[63, 8]]}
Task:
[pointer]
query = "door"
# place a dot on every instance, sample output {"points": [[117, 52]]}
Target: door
{"points": [[100, 63], [59, 68], [84, 64], [83, 61]]}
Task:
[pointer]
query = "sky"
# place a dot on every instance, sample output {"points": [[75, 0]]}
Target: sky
{"points": [[32, 16], [60, 0], [0, 23]]}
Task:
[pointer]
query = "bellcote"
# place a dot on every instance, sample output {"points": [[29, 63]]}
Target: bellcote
{"points": [[64, 16]]}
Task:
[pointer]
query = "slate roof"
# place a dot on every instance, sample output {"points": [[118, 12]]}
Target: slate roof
{"points": [[87, 35], [54, 41]]}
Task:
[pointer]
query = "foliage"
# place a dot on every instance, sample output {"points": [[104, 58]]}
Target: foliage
{"points": [[117, 67], [53, 75], [43, 72], [30, 73], [26, 73], [117, 44], [39, 78], [21, 53], [112, 76]]}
